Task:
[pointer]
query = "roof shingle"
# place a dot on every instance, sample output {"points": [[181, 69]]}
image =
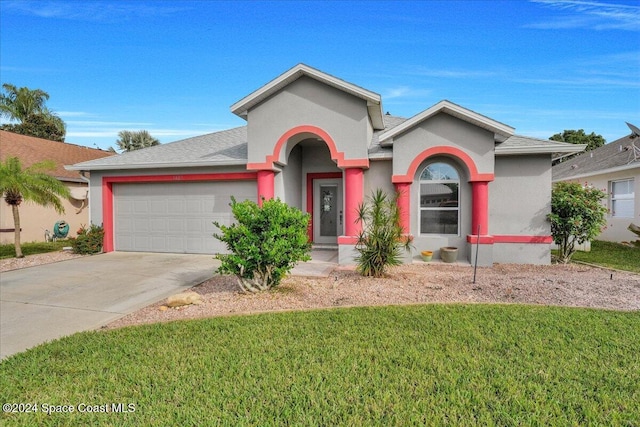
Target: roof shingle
{"points": [[227, 147], [32, 150], [615, 154]]}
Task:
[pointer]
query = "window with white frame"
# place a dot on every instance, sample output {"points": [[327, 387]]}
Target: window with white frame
{"points": [[622, 198], [439, 199]]}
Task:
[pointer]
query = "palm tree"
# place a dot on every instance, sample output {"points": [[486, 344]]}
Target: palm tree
{"points": [[135, 140], [18, 104], [28, 107], [33, 184]]}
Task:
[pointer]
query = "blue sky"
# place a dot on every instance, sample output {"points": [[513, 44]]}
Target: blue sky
{"points": [[174, 67]]}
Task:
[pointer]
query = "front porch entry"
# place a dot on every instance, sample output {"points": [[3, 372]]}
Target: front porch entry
{"points": [[327, 217]]}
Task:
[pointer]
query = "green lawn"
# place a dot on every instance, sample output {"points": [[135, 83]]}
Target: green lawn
{"points": [[612, 255], [504, 365], [9, 251]]}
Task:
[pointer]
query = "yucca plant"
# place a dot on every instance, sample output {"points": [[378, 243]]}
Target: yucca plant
{"points": [[381, 241]]}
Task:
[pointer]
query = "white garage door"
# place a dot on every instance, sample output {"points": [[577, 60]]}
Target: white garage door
{"points": [[174, 217]]}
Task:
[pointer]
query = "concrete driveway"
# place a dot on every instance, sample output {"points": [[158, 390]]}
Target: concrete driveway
{"points": [[42, 303]]}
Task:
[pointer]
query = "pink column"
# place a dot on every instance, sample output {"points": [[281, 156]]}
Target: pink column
{"points": [[354, 195], [266, 184], [404, 205], [107, 216], [480, 209]]}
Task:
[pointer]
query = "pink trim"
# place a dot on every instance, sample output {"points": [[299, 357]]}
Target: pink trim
{"points": [[506, 238], [107, 214], [347, 240], [352, 240], [480, 207], [404, 205], [310, 178], [354, 195], [266, 185], [107, 193], [484, 240], [337, 156], [233, 176], [442, 150]]}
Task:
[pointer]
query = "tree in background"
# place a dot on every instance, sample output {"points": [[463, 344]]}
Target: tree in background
{"points": [[28, 108], [577, 216], [33, 184], [592, 140], [135, 140], [40, 126]]}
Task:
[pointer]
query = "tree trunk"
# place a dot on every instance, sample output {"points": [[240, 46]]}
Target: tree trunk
{"points": [[16, 224]]}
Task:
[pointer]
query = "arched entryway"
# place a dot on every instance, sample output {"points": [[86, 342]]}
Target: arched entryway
{"points": [[307, 170]]}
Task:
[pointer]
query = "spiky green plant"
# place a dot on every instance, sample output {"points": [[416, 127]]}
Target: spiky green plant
{"points": [[381, 241]]}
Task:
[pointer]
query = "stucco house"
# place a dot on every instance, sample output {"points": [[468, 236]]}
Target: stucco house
{"points": [[35, 219], [323, 145], [615, 169]]}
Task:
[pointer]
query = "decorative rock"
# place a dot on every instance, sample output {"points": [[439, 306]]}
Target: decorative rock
{"points": [[185, 298], [163, 308]]}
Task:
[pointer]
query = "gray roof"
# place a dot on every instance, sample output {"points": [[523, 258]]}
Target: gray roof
{"points": [[227, 147], [615, 155], [375, 150], [518, 144]]}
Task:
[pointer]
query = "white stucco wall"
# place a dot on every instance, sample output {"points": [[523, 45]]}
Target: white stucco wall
{"points": [[616, 228]]}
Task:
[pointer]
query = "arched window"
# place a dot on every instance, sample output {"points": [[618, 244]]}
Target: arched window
{"points": [[439, 199]]}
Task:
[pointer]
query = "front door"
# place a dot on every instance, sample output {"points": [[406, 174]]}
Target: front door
{"points": [[327, 210]]}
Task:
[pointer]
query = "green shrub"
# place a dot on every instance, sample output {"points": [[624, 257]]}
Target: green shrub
{"points": [[264, 243], [576, 216], [381, 241], [89, 241]]}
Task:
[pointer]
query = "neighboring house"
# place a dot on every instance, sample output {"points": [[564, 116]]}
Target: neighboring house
{"points": [[323, 145], [35, 219], [615, 169]]}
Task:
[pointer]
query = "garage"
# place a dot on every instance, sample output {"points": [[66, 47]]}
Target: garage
{"points": [[174, 217]]}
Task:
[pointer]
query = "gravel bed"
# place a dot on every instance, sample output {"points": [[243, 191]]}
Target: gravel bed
{"points": [[571, 285], [562, 285], [8, 264]]}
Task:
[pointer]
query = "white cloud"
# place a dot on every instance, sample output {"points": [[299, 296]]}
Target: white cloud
{"points": [[454, 74], [599, 82], [104, 129], [90, 10], [99, 123], [64, 114], [590, 14], [404, 92]]}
